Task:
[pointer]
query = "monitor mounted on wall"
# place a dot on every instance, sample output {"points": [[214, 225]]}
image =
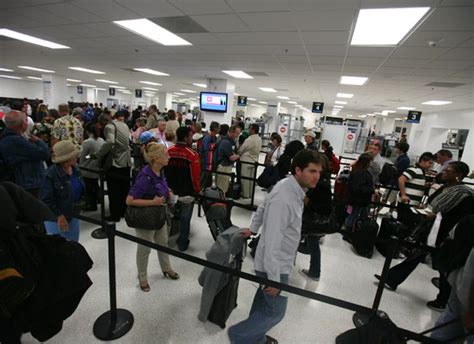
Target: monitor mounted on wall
{"points": [[213, 102]]}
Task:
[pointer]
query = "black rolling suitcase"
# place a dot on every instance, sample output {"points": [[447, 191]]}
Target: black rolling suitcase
{"points": [[226, 300], [389, 227], [364, 236]]}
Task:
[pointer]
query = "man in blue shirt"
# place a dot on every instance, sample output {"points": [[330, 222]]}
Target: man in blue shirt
{"points": [[24, 158]]}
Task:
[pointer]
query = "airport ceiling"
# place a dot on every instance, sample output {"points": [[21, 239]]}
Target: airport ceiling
{"points": [[299, 47]]}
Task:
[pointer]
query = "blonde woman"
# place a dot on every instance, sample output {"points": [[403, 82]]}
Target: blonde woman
{"points": [[151, 189]]}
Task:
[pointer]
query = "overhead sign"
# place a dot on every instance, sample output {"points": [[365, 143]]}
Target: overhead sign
{"points": [[111, 91], [283, 129], [79, 90], [413, 116], [318, 107], [242, 101], [138, 93]]}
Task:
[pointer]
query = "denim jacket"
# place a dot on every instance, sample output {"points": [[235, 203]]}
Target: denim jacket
{"points": [[57, 191]]}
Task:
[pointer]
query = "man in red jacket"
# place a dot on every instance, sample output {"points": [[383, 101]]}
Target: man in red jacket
{"points": [[183, 176]]}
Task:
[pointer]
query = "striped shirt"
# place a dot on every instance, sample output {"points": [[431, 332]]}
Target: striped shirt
{"points": [[415, 184]]}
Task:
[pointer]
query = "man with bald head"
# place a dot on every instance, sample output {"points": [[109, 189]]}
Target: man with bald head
{"points": [[22, 160]]}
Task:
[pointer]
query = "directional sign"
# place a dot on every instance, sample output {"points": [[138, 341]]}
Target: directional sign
{"points": [[242, 101], [413, 116], [318, 107]]}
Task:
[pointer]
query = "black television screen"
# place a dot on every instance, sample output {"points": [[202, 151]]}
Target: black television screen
{"points": [[213, 102], [413, 117]]}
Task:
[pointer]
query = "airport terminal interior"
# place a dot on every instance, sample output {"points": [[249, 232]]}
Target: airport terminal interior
{"points": [[239, 90]]}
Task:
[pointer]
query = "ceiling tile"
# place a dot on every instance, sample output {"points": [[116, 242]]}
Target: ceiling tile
{"points": [[73, 13], [259, 6], [107, 9], [193, 7], [450, 18], [269, 21], [418, 52], [442, 39], [326, 50], [459, 54], [451, 64], [325, 37], [151, 8], [221, 23], [324, 20], [257, 38], [369, 51]]}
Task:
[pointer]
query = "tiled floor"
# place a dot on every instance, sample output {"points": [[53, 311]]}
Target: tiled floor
{"points": [[168, 314]]}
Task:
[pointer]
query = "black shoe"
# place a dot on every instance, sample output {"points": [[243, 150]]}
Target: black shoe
{"points": [[387, 286], [435, 281], [436, 305], [270, 340], [305, 273]]}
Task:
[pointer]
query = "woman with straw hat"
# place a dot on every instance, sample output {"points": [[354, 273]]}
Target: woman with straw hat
{"points": [[62, 191]]}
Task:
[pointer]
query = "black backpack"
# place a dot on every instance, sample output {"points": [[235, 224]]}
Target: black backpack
{"points": [[388, 175]]}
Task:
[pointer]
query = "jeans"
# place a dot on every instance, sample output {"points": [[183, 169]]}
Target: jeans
{"points": [[72, 234], [356, 214], [266, 312], [454, 310], [312, 242], [185, 215]]}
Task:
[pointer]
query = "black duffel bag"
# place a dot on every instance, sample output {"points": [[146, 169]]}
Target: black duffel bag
{"points": [[269, 177], [319, 224]]}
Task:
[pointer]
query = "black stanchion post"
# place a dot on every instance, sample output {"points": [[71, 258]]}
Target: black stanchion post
{"points": [[115, 323], [101, 233], [252, 200], [360, 319]]}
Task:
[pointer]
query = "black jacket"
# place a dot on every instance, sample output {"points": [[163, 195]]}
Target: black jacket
{"points": [[320, 198], [361, 188]]}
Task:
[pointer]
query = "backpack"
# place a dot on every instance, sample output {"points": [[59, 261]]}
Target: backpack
{"points": [[217, 214], [389, 173], [341, 186], [335, 164], [88, 115]]}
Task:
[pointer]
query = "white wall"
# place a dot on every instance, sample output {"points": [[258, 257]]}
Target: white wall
{"points": [[21, 88], [432, 131]]}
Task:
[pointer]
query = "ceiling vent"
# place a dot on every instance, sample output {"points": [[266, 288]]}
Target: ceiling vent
{"points": [[445, 84], [181, 24], [257, 73]]}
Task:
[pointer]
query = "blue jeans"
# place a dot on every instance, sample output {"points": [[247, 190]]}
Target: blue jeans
{"points": [[266, 312], [186, 213], [357, 213], [312, 242], [72, 234], [453, 310]]}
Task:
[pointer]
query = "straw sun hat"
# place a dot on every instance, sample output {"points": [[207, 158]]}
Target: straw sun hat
{"points": [[64, 151]]}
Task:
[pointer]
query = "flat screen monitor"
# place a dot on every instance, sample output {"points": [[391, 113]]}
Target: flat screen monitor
{"points": [[213, 102]]}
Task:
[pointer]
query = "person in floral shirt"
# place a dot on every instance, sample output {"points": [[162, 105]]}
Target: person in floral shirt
{"points": [[66, 127]]}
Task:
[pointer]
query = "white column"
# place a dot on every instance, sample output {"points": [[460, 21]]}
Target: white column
{"points": [[164, 101], [54, 90], [223, 86], [273, 110]]}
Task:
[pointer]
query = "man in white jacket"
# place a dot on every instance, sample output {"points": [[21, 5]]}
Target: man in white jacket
{"points": [[249, 152], [280, 217]]}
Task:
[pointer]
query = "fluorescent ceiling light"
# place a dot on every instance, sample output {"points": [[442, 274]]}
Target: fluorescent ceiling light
{"points": [[150, 83], [263, 102], [6, 70], [389, 111], [248, 98], [399, 119], [292, 102], [236, 94], [31, 39], [106, 81], [200, 85], [150, 71], [385, 26], [74, 80], [339, 106], [10, 77], [283, 97], [86, 70], [37, 69], [362, 116], [405, 108], [340, 102], [100, 89], [437, 102], [68, 85], [126, 92], [87, 85], [267, 89], [238, 74], [353, 80], [149, 30], [371, 115], [349, 115], [179, 94], [118, 87], [34, 78], [188, 91], [344, 95], [150, 88]]}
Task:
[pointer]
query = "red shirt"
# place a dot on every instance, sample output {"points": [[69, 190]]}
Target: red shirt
{"points": [[182, 151]]}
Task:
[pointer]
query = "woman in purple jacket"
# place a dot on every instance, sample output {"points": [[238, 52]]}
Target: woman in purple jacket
{"points": [[151, 189]]}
